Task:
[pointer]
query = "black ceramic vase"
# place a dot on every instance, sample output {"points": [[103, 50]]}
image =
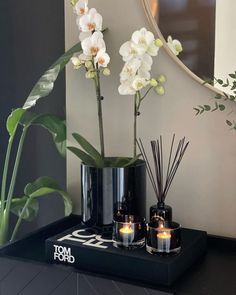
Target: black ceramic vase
{"points": [[162, 210], [109, 191]]}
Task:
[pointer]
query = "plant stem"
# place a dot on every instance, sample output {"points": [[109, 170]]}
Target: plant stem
{"points": [[19, 220], [100, 118], [14, 175], [136, 109], [4, 177]]}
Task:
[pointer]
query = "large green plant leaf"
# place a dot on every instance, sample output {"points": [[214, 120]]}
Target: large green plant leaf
{"points": [[54, 124], [85, 158], [30, 212], [13, 120], [89, 149], [44, 186], [45, 84]]}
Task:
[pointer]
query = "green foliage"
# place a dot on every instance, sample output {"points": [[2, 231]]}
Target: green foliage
{"points": [[30, 212], [52, 123], [85, 158], [45, 186], [90, 156], [230, 85], [45, 84], [27, 206], [13, 120], [89, 149]]}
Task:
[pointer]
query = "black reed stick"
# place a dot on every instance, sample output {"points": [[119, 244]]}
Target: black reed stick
{"points": [[162, 181]]}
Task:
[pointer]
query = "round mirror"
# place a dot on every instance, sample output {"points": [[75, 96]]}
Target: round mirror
{"points": [[203, 27]]}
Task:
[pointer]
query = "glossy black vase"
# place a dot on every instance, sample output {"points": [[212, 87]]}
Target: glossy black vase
{"points": [[109, 191], [162, 210]]}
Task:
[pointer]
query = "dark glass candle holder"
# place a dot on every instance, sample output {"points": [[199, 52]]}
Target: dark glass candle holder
{"points": [[129, 232], [161, 210], [163, 237]]}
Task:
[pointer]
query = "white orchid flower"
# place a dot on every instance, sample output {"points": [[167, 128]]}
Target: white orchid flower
{"points": [[83, 57], [130, 69], [102, 59], [174, 45], [81, 7], [84, 35], [92, 21], [146, 62], [139, 83], [126, 88], [130, 50], [143, 38], [93, 44], [153, 49]]}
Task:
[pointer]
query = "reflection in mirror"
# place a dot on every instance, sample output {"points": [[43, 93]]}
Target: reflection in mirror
{"points": [[193, 23]]}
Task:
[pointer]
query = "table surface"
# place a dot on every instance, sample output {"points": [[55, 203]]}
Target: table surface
{"points": [[214, 274]]}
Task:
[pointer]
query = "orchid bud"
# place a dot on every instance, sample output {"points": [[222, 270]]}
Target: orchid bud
{"points": [[160, 90], [106, 72], [90, 75], [178, 48], [158, 43], [153, 82], [161, 79], [76, 62], [88, 64], [73, 2]]}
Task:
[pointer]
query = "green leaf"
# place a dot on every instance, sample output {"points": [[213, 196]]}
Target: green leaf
{"points": [[47, 185], [229, 123], [89, 149], [232, 76], [197, 111], [216, 107], [45, 84], [85, 158], [13, 120], [221, 107], [218, 96], [220, 81], [133, 160], [52, 123], [31, 211], [207, 107]]}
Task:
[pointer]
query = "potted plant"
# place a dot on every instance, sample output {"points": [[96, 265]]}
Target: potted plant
{"points": [[113, 185], [20, 121]]}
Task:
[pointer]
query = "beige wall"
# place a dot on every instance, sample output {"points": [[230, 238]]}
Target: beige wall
{"points": [[203, 194]]}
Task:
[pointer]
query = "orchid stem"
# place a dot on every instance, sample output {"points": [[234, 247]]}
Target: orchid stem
{"points": [[100, 117]]}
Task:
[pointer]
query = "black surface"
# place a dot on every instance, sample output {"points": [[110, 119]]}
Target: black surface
{"points": [[86, 254], [214, 274]]}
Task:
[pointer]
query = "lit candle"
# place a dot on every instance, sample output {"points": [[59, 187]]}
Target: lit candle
{"points": [[127, 233], [127, 229], [163, 239]]}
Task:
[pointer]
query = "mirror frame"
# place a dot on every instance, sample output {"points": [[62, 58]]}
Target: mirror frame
{"points": [[152, 22]]}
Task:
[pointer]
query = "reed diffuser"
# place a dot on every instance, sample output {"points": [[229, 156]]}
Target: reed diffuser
{"points": [[161, 177]]}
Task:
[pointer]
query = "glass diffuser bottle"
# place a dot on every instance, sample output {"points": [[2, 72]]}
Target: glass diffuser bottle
{"points": [[162, 175]]}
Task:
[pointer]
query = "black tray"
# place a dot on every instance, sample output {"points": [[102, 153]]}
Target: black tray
{"points": [[137, 265]]}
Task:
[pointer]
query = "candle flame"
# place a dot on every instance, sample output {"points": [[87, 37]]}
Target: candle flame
{"points": [[127, 229], [164, 235]]}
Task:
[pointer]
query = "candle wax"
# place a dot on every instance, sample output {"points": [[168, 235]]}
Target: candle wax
{"points": [[126, 230], [164, 235]]}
